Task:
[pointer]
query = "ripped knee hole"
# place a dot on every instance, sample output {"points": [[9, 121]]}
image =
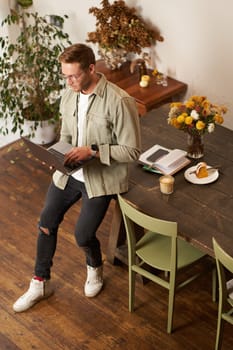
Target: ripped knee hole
{"points": [[44, 230]]}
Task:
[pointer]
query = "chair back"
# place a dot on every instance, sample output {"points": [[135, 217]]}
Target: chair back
{"points": [[132, 216]]}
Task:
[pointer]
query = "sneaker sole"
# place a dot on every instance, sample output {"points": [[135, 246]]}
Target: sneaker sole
{"points": [[93, 294], [35, 302]]}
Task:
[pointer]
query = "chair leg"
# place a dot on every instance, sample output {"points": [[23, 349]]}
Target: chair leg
{"points": [[220, 325], [132, 277], [170, 311], [171, 303], [219, 335]]}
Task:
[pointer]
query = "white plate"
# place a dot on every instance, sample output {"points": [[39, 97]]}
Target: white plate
{"points": [[203, 181]]}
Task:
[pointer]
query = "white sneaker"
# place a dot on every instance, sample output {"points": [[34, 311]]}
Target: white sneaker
{"points": [[37, 291], [94, 282]]}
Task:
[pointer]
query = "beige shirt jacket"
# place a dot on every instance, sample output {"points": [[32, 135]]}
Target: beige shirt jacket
{"points": [[112, 123]]}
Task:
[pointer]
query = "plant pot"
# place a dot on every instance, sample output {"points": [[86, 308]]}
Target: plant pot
{"points": [[45, 133], [195, 146]]}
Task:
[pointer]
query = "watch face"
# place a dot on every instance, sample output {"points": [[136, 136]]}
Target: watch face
{"points": [[94, 147]]}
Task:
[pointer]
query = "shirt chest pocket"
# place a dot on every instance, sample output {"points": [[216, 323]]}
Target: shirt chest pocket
{"points": [[99, 129], [70, 121]]}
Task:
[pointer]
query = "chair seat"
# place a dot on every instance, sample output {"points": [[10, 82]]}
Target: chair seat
{"points": [[155, 249]]}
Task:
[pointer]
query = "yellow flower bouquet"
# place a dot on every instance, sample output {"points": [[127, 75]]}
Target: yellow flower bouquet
{"points": [[196, 116]]}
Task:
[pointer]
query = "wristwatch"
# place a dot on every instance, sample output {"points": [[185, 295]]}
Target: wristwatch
{"points": [[94, 150]]}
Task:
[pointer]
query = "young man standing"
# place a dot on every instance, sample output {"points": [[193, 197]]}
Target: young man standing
{"points": [[99, 120]]}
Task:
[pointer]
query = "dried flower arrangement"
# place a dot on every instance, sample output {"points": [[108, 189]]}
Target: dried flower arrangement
{"points": [[119, 27]]}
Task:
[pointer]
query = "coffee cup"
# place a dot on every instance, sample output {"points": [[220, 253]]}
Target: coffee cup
{"points": [[166, 184]]}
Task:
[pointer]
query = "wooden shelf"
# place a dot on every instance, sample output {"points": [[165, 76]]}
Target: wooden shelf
{"points": [[147, 98]]}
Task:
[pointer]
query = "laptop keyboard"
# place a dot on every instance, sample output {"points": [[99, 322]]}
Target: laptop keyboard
{"points": [[57, 154]]}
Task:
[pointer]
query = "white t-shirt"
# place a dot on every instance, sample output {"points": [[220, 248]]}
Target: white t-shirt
{"points": [[82, 110]]}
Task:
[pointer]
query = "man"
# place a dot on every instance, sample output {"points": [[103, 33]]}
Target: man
{"points": [[100, 120]]}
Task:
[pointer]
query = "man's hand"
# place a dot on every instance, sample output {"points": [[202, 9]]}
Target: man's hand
{"points": [[77, 154]]}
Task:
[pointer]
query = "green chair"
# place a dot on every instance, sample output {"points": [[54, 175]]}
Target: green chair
{"points": [[158, 248], [224, 264]]}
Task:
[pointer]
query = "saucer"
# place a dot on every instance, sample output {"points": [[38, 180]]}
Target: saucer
{"points": [[202, 181]]}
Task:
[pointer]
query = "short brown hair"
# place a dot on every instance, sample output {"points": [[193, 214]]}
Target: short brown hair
{"points": [[78, 53]]}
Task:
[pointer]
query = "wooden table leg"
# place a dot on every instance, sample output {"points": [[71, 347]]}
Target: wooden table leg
{"points": [[117, 244], [117, 234]]}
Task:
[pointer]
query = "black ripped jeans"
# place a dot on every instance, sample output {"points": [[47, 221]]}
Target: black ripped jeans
{"points": [[91, 215]]}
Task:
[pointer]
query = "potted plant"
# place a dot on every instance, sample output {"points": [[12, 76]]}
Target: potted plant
{"points": [[120, 30], [30, 82]]}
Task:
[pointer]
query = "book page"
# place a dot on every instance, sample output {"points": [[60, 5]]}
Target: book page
{"points": [[169, 160], [153, 154], [175, 167]]}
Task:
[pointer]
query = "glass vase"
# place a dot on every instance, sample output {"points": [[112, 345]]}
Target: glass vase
{"points": [[195, 146], [113, 58]]}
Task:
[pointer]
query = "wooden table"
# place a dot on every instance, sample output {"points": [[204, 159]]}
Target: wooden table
{"points": [[146, 98], [202, 211]]}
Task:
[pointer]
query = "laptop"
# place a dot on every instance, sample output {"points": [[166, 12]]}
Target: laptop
{"points": [[54, 156]]}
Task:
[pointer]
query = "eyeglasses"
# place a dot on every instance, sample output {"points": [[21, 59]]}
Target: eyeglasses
{"points": [[72, 77]]}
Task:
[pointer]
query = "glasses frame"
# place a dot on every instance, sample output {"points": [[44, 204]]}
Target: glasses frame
{"points": [[75, 77], [72, 77]]}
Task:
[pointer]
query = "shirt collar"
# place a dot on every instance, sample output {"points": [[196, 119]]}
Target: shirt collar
{"points": [[100, 86]]}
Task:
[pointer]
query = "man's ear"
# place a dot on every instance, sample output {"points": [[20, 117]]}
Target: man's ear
{"points": [[92, 68]]}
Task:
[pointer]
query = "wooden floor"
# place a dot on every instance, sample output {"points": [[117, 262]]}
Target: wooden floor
{"points": [[68, 320]]}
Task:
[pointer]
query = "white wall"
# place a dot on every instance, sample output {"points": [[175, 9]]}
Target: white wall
{"points": [[198, 45]]}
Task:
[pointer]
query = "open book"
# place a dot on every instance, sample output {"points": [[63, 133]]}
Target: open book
{"points": [[164, 160]]}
